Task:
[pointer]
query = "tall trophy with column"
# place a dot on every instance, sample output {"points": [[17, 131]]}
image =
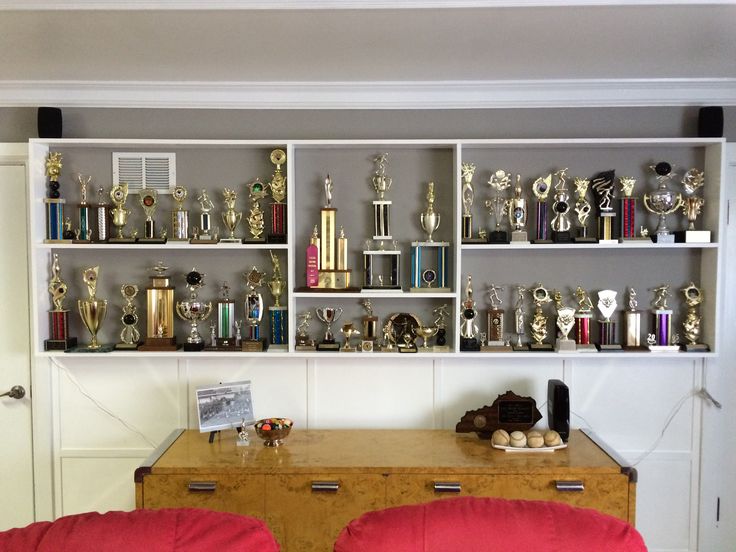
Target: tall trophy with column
{"points": [[468, 314], [256, 220], [429, 258], [278, 315], [59, 339], [93, 311], [193, 310], [54, 202], [252, 341], [519, 314], [160, 312], [607, 307], [661, 340], [517, 212], [561, 208], [129, 335], [540, 188], [495, 319], [538, 326], [101, 232], [468, 197], [628, 209], [148, 198], [225, 338], [277, 187], [119, 213], [632, 316], [691, 324], [583, 316], [692, 204], [602, 185], [204, 233], [84, 211], [180, 215]]}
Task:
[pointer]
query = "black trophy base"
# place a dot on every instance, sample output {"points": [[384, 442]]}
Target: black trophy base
{"points": [[520, 347], [635, 348], [609, 348], [251, 240], [78, 242], [276, 238], [387, 288], [469, 344], [192, 347], [495, 348], [121, 240], [695, 348], [203, 241], [541, 347], [542, 242], [254, 345], [225, 344], [159, 344], [151, 241], [59, 344], [328, 346], [127, 346], [99, 349], [562, 237], [474, 240], [585, 239], [498, 236]]}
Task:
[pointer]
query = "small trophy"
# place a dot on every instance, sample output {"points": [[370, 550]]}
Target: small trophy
{"points": [[84, 213], [440, 343], [160, 312], [278, 315], [663, 202], [426, 333], [328, 315], [194, 310], [148, 198], [540, 189], [565, 323], [602, 185], [495, 323], [517, 215], [607, 306], [254, 312], [256, 223], [519, 320], [277, 186], [538, 326], [53, 201], [59, 339], [203, 233], [468, 170], [628, 210], [103, 217], [583, 317], [561, 208], [661, 340], [119, 214], [468, 314], [370, 323], [303, 341], [180, 216], [499, 181], [424, 276], [93, 311], [231, 218], [691, 324], [129, 335], [349, 332], [692, 181], [582, 210], [633, 324]]}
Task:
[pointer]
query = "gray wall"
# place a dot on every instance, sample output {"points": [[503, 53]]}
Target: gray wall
{"points": [[19, 124]]}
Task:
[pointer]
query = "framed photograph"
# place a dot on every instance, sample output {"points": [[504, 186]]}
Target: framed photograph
{"points": [[224, 406]]}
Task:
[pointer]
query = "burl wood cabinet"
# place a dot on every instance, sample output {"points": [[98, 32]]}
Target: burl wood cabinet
{"points": [[311, 487]]}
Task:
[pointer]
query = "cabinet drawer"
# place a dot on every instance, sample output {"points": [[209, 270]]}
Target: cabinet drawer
{"points": [[608, 493], [238, 494], [307, 512]]}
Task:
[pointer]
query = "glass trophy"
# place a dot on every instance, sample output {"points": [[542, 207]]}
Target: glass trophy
{"points": [[129, 335], [53, 201], [59, 339], [561, 208], [663, 202], [540, 189], [193, 310], [583, 316], [582, 211], [252, 341], [159, 312], [179, 216], [468, 314], [538, 326], [277, 187], [661, 340], [495, 323], [691, 324], [498, 204], [607, 307], [602, 185], [691, 207], [278, 315]]}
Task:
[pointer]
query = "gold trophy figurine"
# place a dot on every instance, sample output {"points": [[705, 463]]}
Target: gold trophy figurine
{"points": [[231, 218], [256, 221], [691, 324], [540, 296], [92, 310]]}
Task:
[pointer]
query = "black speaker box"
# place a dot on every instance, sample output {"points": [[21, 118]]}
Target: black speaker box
{"points": [[49, 122], [710, 122], [558, 408]]}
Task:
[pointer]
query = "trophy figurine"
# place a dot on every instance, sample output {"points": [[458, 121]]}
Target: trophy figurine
{"points": [[663, 202], [256, 223], [349, 332], [440, 343], [540, 189], [159, 312], [602, 185], [53, 200], [389, 343], [180, 216], [565, 323], [303, 341], [495, 323], [230, 218], [582, 210], [425, 275], [467, 171], [92, 310], [519, 320], [561, 208], [119, 214], [607, 306], [129, 335], [691, 324], [662, 337], [538, 326], [254, 312], [499, 181], [517, 212], [468, 314], [328, 315], [148, 198], [691, 182], [633, 324], [583, 316], [193, 310], [277, 186], [84, 214], [202, 234], [59, 339], [278, 316]]}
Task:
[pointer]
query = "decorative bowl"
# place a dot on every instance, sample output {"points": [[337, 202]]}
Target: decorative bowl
{"points": [[273, 431]]}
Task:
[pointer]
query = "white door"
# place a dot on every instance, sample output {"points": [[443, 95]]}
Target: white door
{"points": [[16, 453]]}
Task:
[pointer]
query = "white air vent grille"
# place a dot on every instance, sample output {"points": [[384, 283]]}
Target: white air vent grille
{"points": [[145, 170]]}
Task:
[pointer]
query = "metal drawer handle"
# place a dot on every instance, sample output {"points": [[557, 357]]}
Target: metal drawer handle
{"points": [[447, 487], [570, 486], [325, 486], [202, 486]]}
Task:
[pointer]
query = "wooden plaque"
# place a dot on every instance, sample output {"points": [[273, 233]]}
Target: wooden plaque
{"points": [[509, 411]]}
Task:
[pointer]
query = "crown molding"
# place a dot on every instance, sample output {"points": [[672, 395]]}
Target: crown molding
{"points": [[371, 95], [134, 5]]}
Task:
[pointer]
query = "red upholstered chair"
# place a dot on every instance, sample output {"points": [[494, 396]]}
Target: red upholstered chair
{"points": [[180, 530], [470, 524]]}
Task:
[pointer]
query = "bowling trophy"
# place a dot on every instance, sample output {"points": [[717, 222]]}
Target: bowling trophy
{"points": [[204, 234], [663, 202], [468, 314], [193, 310], [441, 314], [561, 207], [59, 339], [93, 311], [129, 335], [253, 313]]}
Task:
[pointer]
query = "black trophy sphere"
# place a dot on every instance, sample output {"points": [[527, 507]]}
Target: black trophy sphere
{"points": [[561, 207], [194, 278], [129, 319], [663, 168], [468, 314]]}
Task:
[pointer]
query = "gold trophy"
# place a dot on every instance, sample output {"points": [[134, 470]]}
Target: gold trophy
{"points": [[193, 310], [148, 198], [92, 310], [540, 296], [278, 316], [517, 213], [54, 202], [256, 223], [278, 192], [349, 332], [204, 234], [129, 335], [160, 315], [692, 181], [500, 181], [691, 324], [118, 196], [59, 339], [231, 218], [84, 211]]}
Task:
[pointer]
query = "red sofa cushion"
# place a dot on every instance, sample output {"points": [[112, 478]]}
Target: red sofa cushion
{"points": [[470, 524], [183, 530]]}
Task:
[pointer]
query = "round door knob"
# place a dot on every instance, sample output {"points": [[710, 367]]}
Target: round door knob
{"points": [[16, 392]]}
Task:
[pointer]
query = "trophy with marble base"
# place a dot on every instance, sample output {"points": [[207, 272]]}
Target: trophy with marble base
{"points": [[565, 323], [583, 316], [328, 315], [303, 341], [517, 212], [204, 234], [160, 312], [602, 185], [538, 326], [663, 202], [59, 339], [349, 331], [53, 201], [93, 311], [149, 202], [691, 324], [129, 336], [277, 187], [499, 181], [119, 214], [277, 313], [193, 310], [468, 314], [495, 324], [253, 342], [582, 211], [661, 340], [540, 189], [561, 208], [691, 207], [632, 317], [607, 306], [468, 197]]}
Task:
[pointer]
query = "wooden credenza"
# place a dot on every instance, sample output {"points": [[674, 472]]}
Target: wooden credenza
{"points": [[310, 488]]}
